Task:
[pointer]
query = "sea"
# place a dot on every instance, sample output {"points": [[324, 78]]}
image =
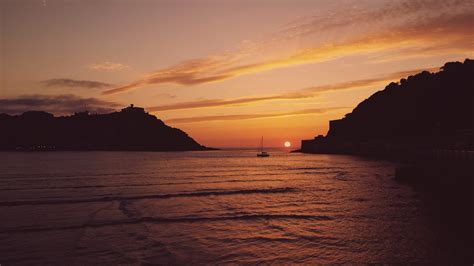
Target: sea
{"points": [[214, 207]]}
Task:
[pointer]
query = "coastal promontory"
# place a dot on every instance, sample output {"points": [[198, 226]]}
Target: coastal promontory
{"points": [[131, 129], [424, 114]]}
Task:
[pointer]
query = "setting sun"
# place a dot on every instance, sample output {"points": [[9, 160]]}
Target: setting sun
{"points": [[287, 144]]}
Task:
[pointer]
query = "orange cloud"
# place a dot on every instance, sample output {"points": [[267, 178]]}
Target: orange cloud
{"points": [[434, 25], [301, 94], [220, 102], [251, 116], [464, 49]]}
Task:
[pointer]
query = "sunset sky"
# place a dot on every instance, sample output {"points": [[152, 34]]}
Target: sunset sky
{"points": [[225, 71]]}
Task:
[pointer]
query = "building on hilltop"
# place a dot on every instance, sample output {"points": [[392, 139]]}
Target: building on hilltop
{"points": [[133, 109]]}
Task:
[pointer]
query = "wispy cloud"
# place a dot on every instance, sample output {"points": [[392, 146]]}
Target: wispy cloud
{"points": [[299, 94], [59, 104], [464, 49], [251, 116], [72, 83], [363, 83], [430, 24], [165, 95], [395, 14], [108, 66], [218, 102]]}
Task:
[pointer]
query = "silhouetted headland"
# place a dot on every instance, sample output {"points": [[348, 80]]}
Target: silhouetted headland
{"points": [[428, 114], [131, 129]]}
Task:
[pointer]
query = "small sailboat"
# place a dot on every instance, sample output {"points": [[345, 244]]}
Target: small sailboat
{"points": [[262, 153]]}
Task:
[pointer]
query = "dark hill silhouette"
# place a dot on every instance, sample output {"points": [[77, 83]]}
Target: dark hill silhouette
{"points": [[421, 105], [128, 130], [425, 111]]}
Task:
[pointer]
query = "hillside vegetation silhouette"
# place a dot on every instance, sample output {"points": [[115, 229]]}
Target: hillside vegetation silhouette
{"points": [[423, 111], [128, 130], [423, 104]]}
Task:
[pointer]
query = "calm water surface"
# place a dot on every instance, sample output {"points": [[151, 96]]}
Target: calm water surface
{"points": [[209, 207]]}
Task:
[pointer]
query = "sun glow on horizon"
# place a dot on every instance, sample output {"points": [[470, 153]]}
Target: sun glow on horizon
{"points": [[287, 144]]}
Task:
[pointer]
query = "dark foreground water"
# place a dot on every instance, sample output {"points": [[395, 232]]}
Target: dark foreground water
{"points": [[213, 207]]}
